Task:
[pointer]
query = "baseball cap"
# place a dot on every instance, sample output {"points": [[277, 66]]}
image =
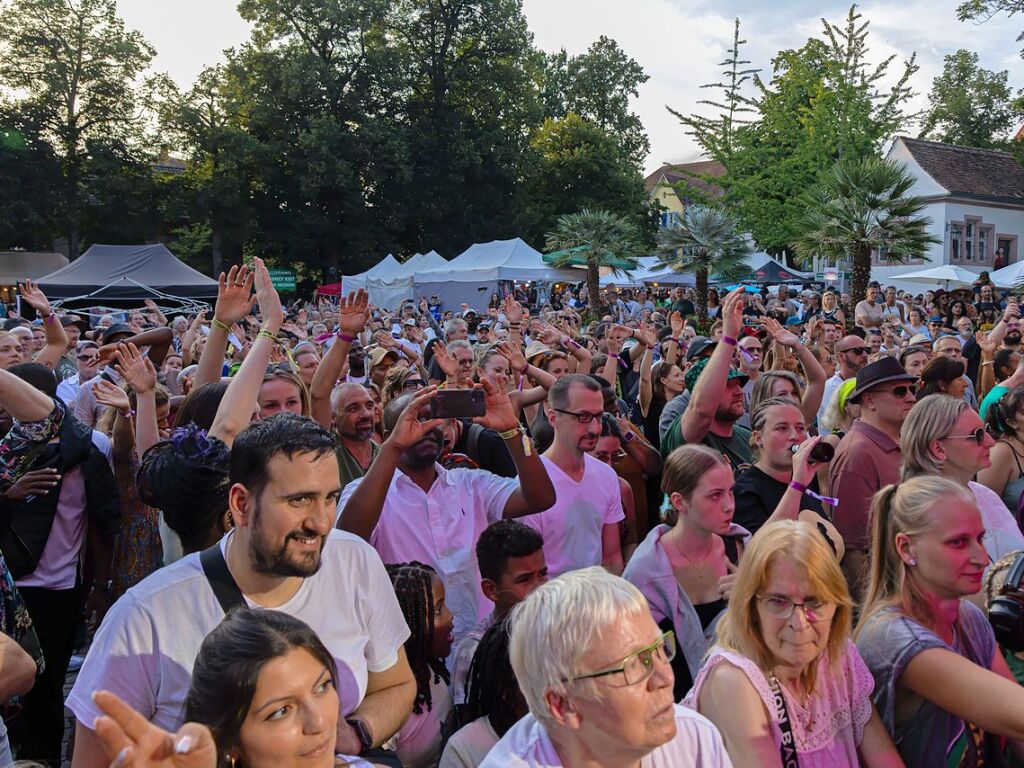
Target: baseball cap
{"points": [[695, 370], [698, 346]]}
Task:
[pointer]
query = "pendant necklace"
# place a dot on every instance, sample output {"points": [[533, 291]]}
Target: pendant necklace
{"points": [[697, 565]]}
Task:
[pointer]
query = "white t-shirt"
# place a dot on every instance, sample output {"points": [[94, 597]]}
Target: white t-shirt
{"points": [[419, 739], [461, 660], [469, 745], [441, 528], [572, 527], [145, 649], [697, 744]]}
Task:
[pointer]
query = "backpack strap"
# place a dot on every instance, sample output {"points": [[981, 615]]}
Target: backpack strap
{"points": [[223, 584], [473, 440]]}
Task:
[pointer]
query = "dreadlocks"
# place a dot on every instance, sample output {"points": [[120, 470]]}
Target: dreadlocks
{"points": [[493, 688], [415, 592]]}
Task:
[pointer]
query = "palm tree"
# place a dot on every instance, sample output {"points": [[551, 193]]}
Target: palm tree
{"points": [[708, 240], [860, 207], [602, 239]]}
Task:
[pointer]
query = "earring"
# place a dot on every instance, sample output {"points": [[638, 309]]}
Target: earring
{"points": [[911, 562]]}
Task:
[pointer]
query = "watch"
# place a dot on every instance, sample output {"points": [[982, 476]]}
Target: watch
{"points": [[362, 732]]}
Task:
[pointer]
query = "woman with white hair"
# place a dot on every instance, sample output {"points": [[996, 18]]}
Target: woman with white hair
{"points": [[595, 671], [944, 436]]}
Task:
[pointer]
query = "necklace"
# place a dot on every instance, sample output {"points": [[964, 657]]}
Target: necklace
{"points": [[699, 564]]}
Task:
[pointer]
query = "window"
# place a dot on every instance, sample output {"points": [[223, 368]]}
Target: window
{"points": [[669, 219], [971, 241]]}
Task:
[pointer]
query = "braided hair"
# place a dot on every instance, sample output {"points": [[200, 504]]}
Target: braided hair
{"points": [[413, 583], [493, 687]]}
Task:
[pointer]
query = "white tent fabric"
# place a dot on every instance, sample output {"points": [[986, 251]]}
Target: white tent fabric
{"points": [[950, 274], [475, 274], [389, 291], [385, 269], [1010, 276]]}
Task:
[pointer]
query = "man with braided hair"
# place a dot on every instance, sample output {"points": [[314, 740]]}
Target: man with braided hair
{"points": [[421, 595]]}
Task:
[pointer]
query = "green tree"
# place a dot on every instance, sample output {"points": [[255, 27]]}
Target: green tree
{"points": [[77, 71], [860, 207], [581, 166], [597, 86], [28, 194], [603, 238], [708, 240], [824, 101], [970, 105]]}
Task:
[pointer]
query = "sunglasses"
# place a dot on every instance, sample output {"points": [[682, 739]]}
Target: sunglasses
{"points": [[977, 435], [855, 350], [414, 384], [901, 391]]}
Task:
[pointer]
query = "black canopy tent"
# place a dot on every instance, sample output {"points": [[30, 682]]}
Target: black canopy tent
{"points": [[773, 273], [126, 275]]}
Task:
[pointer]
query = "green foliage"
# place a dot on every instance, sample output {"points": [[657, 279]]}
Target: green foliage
{"points": [[862, 206], [603, 238], [970, 105], [824, 101], [597, 86], [708, 240], [76, 74]]}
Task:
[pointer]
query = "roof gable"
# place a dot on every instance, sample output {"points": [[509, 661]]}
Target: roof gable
{"points": [[986, 174], [673, 174]]}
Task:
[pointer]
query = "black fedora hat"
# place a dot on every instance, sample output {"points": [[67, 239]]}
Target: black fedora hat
{"points": [[879, 372]]}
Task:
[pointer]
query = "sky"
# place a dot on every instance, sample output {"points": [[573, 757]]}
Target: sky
{"points": [[679, 43]]}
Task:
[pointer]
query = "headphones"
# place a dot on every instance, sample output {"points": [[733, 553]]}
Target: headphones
{"points": [[1006, 613]]}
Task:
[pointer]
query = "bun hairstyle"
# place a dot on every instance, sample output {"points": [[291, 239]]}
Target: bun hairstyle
{"points": [[186, 477], [1002, 410]]}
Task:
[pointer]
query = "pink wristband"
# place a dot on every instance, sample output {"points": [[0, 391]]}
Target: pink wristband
{"points": [[729, 340], [798, 486], [345, 337]]}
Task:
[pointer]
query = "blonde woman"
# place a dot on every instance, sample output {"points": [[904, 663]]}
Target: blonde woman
{"points": [[942, 687], [784, 671]]}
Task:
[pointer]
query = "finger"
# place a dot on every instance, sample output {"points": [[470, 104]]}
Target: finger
{"points": [[111, 736], [134, 725]]}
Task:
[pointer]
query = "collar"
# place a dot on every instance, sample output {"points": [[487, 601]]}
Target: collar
{"points": [[443, 476], [875, 435]]}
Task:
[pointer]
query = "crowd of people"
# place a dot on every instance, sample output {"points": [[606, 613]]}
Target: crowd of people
{"points": [[545, 532]]}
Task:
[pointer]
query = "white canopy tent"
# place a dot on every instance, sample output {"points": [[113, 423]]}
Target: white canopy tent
{"points": [[948, 274], [472, 276], [389, 291], [1010, 276], [386, 268]]}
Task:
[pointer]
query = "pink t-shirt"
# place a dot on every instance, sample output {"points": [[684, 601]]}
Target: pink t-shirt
{"points": [[828, 730]]}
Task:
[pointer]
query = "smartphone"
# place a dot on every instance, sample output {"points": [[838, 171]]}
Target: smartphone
{"points": [[457, 404]]}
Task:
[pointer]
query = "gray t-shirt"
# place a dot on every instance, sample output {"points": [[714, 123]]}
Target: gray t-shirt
{"points": [[888, 643]]}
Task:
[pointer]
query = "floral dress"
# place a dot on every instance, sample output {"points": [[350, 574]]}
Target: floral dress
{"points": [[138, 550]]}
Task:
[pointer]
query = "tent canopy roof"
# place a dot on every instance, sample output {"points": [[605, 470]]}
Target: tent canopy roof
{"points": [[152, 266], [497, 260], [16, 266]]}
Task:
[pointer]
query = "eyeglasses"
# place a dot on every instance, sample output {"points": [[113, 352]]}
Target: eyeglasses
{"points": [[639, 665], [582, 418], [781, 608], [977, 435], [855, 350], [90, 358], [414, 384], [466, 363], [901, 391]]}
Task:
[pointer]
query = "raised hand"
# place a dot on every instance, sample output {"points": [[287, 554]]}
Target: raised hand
{"points": [[779, 334], [353, 312], [646, 335], [732, 314], [499, 414], [131, 741], [35, 298], [515, 358], [676, 322], [136, 369], [513, 309], [410, 427], [111, 395], [267, 298], [548, 335], [235, 298], [985, 344], [445, 361]]}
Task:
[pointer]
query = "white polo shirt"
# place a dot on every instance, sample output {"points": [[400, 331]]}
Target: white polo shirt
{"points": [[145, 649], [697, 744], [441, 528], [572, 527]]}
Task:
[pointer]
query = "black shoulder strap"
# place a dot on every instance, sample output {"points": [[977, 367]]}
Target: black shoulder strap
{"points": [[221, 581], [787, 749]]}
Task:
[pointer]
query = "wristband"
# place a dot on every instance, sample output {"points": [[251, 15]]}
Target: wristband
{"points": [[218, 324], [345, 337], [49, 317], [628, 438], [729, 340], [572, 344], [265, 334], [669, 339], [522, 378], [829, 500], [798, 486]]}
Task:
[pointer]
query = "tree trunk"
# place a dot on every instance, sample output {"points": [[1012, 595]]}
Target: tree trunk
{"points": [[702, 296], [594, 290], [861, 274]]}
